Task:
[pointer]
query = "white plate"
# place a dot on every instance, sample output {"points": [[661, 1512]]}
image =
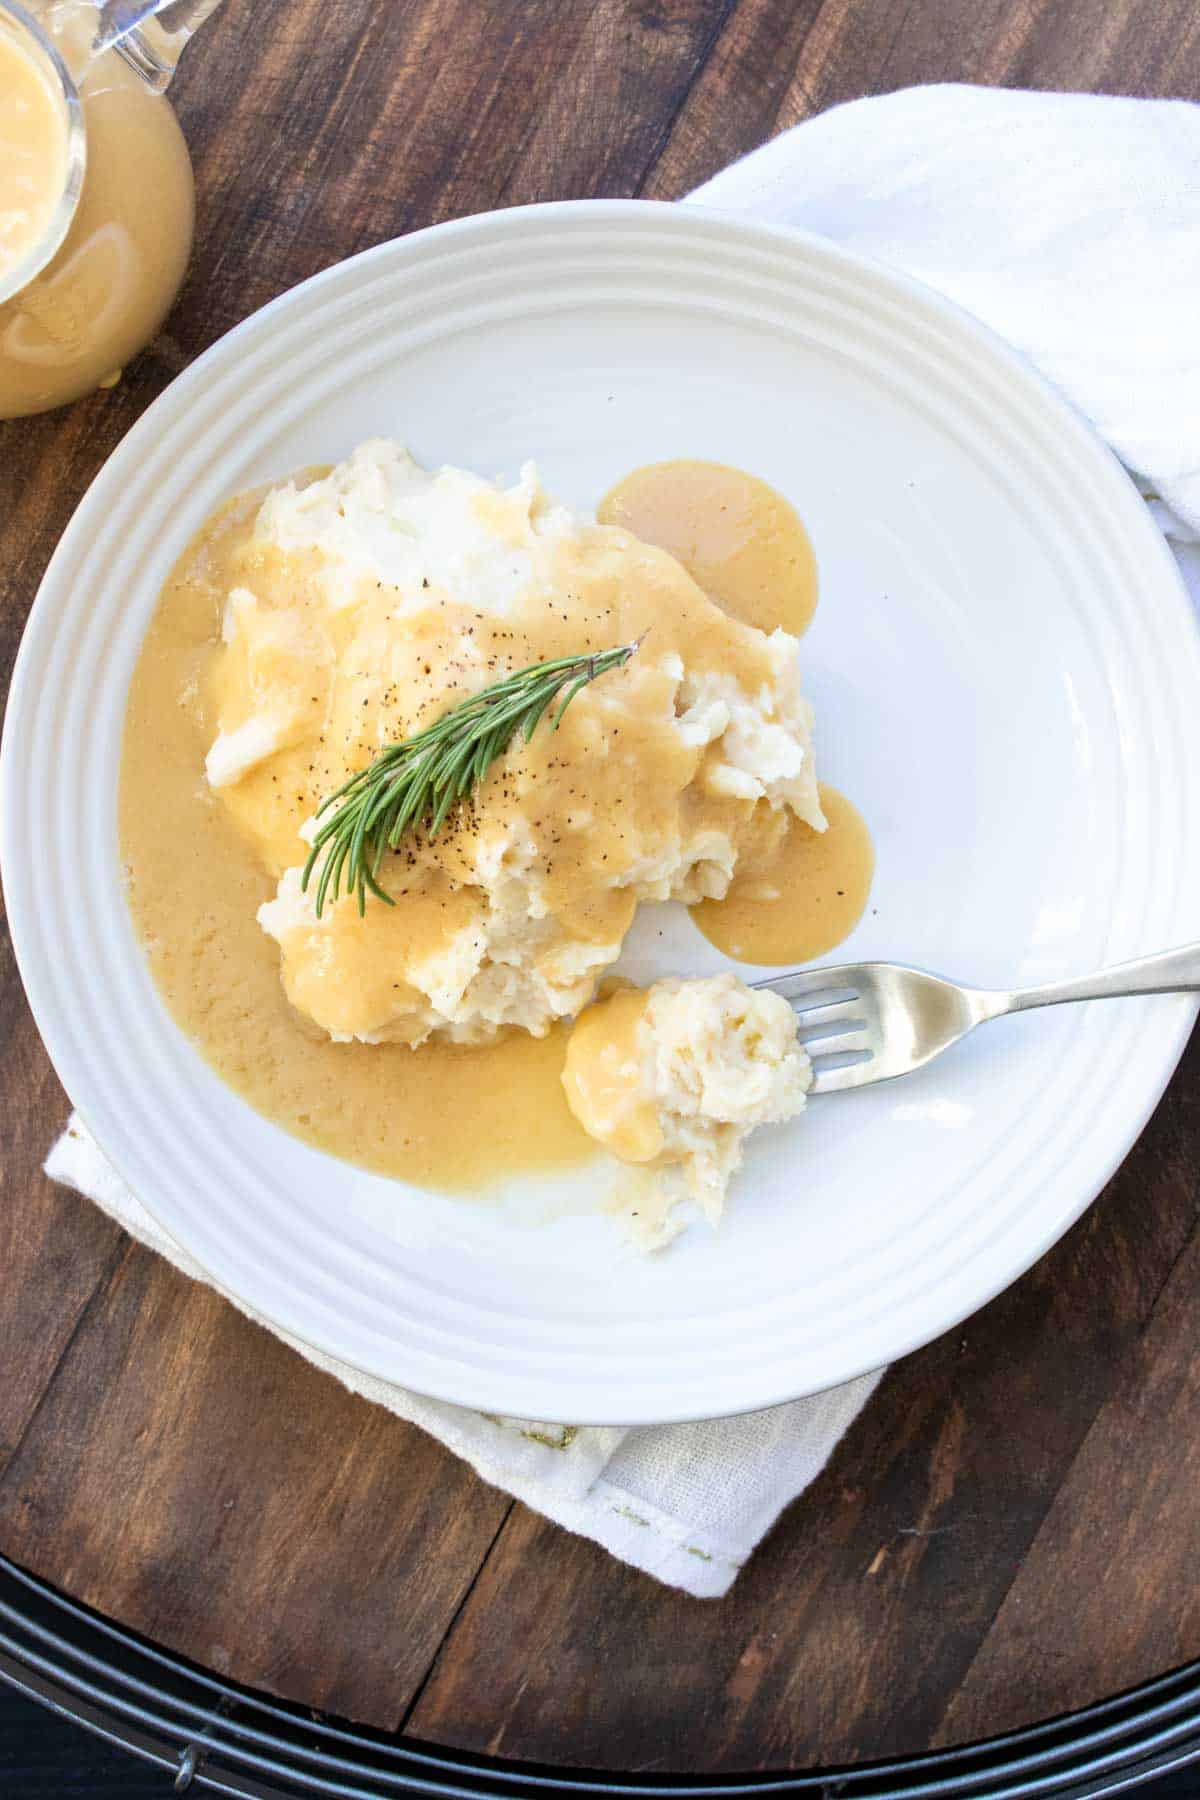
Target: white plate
{"points": [[1005, 670]]}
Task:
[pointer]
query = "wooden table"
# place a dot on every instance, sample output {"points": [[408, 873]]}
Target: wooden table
{"points": [[1013, 1526]]}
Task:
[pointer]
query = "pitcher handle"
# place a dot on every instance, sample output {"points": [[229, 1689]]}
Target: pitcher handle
{"points": [[150, 34]]}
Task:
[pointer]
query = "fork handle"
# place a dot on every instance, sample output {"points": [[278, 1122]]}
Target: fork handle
{"points": [[1170, 972]]}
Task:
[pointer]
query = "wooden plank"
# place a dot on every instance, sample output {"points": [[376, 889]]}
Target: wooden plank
{"points": [[1121, 1543], [1127, 47], [439, 109], [56, 1250], [734, 104], [190, 1475], [850, 1630], [776, 63]]}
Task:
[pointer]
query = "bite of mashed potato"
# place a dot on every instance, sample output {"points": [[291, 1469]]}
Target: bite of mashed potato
{"points": [[370, 600], [673, 1078]]}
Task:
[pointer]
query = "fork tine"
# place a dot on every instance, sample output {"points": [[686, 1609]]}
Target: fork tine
{"points": [[837, 1045], [814, 1019], [848, 1075], [813, 987]]}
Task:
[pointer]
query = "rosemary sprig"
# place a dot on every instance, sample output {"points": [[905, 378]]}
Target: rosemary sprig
{"points": [[417, 781]]}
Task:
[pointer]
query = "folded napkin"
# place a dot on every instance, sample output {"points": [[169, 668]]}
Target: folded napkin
{"points": [[1070, 224]]}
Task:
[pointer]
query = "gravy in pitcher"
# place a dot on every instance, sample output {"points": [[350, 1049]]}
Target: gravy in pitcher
{"points": [[33, 153], [104, 293]]}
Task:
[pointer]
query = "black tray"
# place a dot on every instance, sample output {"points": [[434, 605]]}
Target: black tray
{"points": [[217, 1737]]}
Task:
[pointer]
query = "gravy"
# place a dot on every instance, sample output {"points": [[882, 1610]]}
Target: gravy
{"points": [[603, 1079], [737, 538], [801, 899], [33, 151]]}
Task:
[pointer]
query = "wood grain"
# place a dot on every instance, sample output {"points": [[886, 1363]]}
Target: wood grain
{"points": [[1124, 1530], [1011, 1527], [188, 1473]]}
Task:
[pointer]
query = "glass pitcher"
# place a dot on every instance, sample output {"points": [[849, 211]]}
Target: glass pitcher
{"points": [[96, 198]]}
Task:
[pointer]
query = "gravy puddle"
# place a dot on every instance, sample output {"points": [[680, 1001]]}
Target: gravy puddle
{"points": [[800, 901], [737, 538]]}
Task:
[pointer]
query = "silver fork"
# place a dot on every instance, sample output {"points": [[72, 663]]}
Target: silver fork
{"points": [[867, 1022]]}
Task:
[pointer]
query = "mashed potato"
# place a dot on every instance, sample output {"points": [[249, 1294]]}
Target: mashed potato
{"points": [[370, 600], [674, 1078]]}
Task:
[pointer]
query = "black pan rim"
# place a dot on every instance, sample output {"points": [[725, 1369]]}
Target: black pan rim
{"points": [[214, 1735]]}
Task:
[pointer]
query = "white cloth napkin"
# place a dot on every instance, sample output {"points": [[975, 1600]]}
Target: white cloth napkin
{"points": [[1070, 224]]}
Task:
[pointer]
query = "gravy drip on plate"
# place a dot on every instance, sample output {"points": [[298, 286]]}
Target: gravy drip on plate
{"points": [[442, 1116], [795, 895], [737, 538], [802, 898]]}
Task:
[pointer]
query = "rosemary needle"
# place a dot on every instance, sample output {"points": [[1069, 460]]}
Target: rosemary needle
{"points": [[418, 781]]}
